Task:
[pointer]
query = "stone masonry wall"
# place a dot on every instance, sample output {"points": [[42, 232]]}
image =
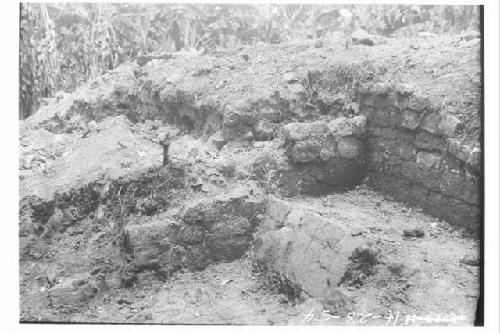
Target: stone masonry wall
{"points": [[412, 154], [323, 156]]}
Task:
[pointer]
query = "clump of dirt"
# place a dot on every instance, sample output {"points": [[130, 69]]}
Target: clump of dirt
{"points": [[362, 265]]}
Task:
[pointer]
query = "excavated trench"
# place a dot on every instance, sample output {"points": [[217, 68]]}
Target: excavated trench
{"points": [[229, 196]]}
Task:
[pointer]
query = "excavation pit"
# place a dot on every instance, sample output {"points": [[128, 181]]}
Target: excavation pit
{"points": [[306, 188]]}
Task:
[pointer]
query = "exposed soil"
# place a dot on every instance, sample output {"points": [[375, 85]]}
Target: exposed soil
{"points": [[415, 276], [445, 69], [109, 235]]}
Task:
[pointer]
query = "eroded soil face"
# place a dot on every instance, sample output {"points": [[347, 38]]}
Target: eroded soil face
{"points": [[267, 212]]}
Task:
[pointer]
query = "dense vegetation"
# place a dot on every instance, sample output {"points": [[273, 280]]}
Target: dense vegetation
{"points": [[63, 45]]}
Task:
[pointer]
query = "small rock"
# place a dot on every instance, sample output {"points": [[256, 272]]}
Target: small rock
{"points": [[220, 84], [296, 88], [248, 136], [381, 88], [429, 160], [318, 44], [122, 300], [224, 282], [471, 35], [460, 151], [218, 140], [336, 300], [414, 233], [470, 259], [35, 254], [404, 89], [474, 160], [357, 232], [426, 34], [51, 276], [290, 78], [360, 36], [198, 292]]}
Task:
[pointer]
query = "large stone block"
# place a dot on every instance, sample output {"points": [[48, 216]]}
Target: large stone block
{"points": [[429, 160], [343, 126], [302, 131], [306, 151], [419, 173], [460, 213], [312, 251], [238, 119], [388, 116], [411, 119], [461, 186], [350, 148], [430, 122], [460, 151], [151, 243], [71, 295], [448, 125], [419, 103], [429, 141]]}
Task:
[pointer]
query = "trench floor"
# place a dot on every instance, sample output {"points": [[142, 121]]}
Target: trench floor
{"points": [[435, 278]]}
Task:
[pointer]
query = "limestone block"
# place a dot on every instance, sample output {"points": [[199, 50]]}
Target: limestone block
{"points": [[350, 147]]}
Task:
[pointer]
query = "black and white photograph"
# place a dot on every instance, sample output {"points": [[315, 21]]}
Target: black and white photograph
{"points": [[242, 163]]}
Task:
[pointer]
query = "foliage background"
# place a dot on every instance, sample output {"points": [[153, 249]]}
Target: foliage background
{"points": [[63, 45]]}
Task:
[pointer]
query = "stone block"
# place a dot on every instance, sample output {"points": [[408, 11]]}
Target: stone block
{"points": [[312, 251], [429, 141], [302, 131], [448, 125], [474, 161], [429, 160], [418, 103], [460, 151], [411, 119], [350, 148], [430, 123], [71, 295], [306, 151], [342, 126]]}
